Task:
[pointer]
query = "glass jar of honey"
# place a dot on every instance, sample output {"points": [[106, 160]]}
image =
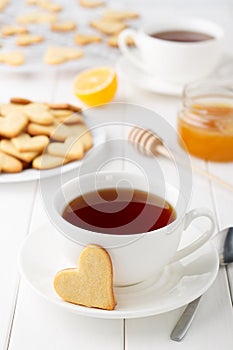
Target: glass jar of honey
{"points": [[205, 122]]}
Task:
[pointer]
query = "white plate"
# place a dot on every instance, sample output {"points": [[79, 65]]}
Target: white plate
{"points": [[33, 174], [150, 83], [41, 257]]}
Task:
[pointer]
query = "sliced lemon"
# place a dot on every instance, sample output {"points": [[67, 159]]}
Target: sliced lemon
{"points": [[96, 86]]}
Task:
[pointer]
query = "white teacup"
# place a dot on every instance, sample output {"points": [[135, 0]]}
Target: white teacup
{"points": [[136, 257], [172, 61]]}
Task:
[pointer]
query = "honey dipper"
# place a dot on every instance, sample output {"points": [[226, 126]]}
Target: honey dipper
{"points": [[150, 143]]}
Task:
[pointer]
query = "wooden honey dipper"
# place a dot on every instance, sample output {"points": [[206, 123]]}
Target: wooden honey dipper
{"points": [[150, 143]]}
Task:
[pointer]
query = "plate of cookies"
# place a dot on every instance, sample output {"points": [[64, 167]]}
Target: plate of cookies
{"points": [[42, 139], [48, 35]]}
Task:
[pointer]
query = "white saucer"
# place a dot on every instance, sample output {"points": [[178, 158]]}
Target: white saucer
{"points": [[150, 83], [147, 81], [41, 257]]}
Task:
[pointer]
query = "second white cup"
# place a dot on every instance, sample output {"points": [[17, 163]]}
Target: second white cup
{"points": [[175, 61]]}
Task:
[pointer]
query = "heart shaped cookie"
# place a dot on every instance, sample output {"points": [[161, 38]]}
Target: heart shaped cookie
{"points": [[9, 164], [68, 117], [11, 108], [71, 149], [39, 113], [91, 284], [46, 161], [26, 143], [60, 54], [12, 124], [8, 147]]}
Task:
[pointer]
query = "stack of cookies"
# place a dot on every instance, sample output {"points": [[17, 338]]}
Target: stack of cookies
{"points": [[41, 135]]}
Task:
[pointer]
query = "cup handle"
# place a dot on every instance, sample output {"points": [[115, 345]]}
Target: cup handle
{"points": [[125, 49], [189, 217]]}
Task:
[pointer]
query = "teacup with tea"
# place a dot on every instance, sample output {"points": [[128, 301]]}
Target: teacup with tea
{"points": [[176, 51], [140, 227]]}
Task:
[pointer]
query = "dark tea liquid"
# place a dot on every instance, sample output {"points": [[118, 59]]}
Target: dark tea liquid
{"points": [[119, 212], [184, 36]]}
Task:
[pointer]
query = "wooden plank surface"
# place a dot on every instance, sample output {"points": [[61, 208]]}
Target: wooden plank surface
{"points": [[29, 322], [39, 325], [16, 204]]}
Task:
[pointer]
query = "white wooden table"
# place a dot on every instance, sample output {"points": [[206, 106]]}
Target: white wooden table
{"points": [[26, 320]]}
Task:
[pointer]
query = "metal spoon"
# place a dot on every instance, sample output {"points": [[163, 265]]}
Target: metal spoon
{"points": [[224, 244]]}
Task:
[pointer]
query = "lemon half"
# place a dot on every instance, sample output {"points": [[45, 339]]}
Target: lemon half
{"points": [[96, 86]]}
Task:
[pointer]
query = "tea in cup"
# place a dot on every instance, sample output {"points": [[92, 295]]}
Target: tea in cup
{"points": [[175, 51], [140, 227]]}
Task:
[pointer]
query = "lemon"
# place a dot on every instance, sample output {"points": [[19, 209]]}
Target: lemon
{"points": [[96, 86]]}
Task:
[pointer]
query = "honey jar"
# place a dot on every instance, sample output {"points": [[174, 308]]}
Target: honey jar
{"points": [[205, 122]]}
